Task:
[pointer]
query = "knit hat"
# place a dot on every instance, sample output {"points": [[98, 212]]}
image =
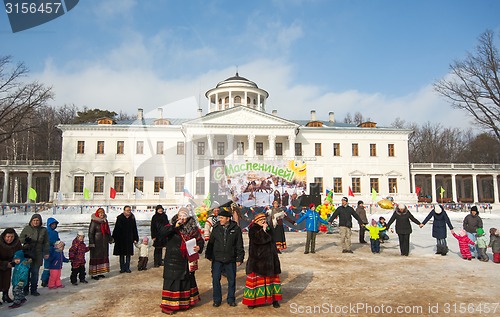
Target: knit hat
{"points": [[345, 198], [473, 208], [158, 207], [259, 217], [59, 243], [183, 213], [145, 239], [480, 231], [463, 233], [493, 231], [80, 233], [374, 222], [311, 206], [360, 202]]}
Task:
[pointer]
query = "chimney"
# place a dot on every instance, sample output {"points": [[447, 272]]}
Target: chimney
{"points": [[313, 115], [275, 112], [331, 117], [200, 112], [139, 114], [160, 113]]}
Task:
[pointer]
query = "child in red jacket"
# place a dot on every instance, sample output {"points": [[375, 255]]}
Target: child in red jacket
{"points": [[463, 243], [77, 258]]}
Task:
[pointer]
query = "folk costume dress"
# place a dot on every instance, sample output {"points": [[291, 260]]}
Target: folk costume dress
{"points": [[275, 220], [180, 290], [99, 240], [263, 285]]}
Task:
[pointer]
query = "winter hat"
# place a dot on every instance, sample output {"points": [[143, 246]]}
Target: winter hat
{"points": [[463, 233], [19, 255], [81, 234], [480, 231], [158, 207], [374, 222], [473, 208], [311, 206], [145, 239], [183, 213], [259, 217], [493, 231], [59, 244], [401, 206], [345, 198], [360, 202]]}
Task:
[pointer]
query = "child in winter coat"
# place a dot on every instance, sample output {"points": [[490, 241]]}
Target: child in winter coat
{"points": [[463, 243], [495, 244], [374, 230], [19, 278], [383, 233], [482, 245], [77, 258], [56, 260], [143, 253], [312, 227], [52, 224]]}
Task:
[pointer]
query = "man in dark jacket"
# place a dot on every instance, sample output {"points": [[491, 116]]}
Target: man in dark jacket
{"points": [[158, 221], [225, 250], [361, 211], [471, 222], [125, 235], [345, 214]]}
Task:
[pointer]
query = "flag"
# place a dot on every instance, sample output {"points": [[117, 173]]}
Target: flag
{"points": [[441, 192], [374, 194], [32, 194], [329, 196], [187, 193], [86, 193], [350, 192], [163, 194], [418, 189], [138, 194], [112, 193]]}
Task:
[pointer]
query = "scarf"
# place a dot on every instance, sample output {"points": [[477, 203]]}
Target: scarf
{"points": [[188, 231]]}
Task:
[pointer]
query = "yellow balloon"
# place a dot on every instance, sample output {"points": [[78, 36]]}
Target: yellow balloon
{"points": [[385, 204]]}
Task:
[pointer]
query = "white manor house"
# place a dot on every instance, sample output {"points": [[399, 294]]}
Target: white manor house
{"points": [[239, 151]]}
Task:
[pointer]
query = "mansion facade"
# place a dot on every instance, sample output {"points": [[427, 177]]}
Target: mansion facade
{"points": [[236, 151]]}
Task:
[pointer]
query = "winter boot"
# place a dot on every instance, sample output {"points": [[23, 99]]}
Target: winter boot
{"points": [[6, 298], [439, 249], [444, 250]]}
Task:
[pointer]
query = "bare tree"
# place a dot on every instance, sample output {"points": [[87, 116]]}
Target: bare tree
{"points": [[19, 101], [474, 84]]}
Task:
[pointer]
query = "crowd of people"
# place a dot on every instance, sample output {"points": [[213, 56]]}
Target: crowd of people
{"points": [[182, 241]]}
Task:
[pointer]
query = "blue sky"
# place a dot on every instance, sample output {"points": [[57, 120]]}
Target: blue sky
{"points": [[376, 57]]}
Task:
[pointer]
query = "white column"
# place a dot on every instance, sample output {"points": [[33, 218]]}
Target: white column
{"points": [[189, 160], [433, 184], [251, 145], [209, 106], [454, 188], [30, 182], [413, 185], [210, 141], [258, 101], [51, 186], [272, 146], [216, 102], [496, 199], [5, 186], [245, 102], [474, 188], [291, 145], [230, 146]]}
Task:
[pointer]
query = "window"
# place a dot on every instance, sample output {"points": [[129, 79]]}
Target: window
{"points": [[279, 148], [318, 181], [180, 148], [393, 185], [78, 184], [201, 148], [374, 184], [390, 149], [237, 100], [100, 147], [337, 184], [373, 150], [336, 149], [80, 147], [259, 148], [158, 184], [159, 147], [356, 185], [200, 186], [240, 148], [317, 149], [179, 184], [139, 147], [119, 181], [355, 151], [139, 183], [298, 149], [99, 184], [220, 148], [120, 147]]}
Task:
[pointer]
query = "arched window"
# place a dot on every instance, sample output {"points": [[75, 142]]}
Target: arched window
{"points": [[226, 102], [237, 100], [249, 101]]}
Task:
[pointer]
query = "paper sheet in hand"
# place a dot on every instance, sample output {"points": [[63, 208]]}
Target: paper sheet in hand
{"points": [[190, 244]]}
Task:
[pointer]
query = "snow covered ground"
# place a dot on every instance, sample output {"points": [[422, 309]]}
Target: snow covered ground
{"points": [[307, 279]]}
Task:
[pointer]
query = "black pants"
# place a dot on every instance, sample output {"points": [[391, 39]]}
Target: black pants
{"points": [[404, 243], [362, 234], [77, 272], [157, 256], [124, 263], [143, 263]]}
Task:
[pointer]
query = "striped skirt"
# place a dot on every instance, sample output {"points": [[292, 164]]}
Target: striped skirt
{"points": [[261, 290], [98, 266], [179, 294]]}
